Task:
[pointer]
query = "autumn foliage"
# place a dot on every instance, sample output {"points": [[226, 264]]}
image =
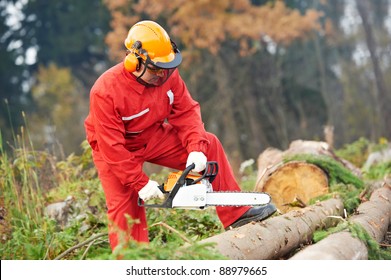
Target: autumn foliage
{"points": [[209, 24]]}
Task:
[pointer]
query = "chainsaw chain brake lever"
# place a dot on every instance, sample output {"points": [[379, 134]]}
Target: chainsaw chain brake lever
{"points": [[209, 173]]}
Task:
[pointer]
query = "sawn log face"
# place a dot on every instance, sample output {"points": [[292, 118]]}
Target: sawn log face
{"points": [[293, 184]]}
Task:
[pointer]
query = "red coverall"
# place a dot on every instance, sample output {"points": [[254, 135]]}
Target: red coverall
{"points": [[129, 124]]}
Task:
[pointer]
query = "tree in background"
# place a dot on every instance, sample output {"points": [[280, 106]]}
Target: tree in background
{"points": [[11, 77], [44, 34], [61, 111], [356, 54], [69, 33], [382, 94], [265, 72], [233, 71]]}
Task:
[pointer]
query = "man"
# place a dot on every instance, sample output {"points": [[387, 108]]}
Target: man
{"points": [[141, 111]]}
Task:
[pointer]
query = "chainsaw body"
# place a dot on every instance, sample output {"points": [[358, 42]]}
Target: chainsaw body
{"points": [[184, 190]]}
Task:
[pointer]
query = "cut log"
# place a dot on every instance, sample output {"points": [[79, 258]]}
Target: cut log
{"points": [[272, 156], [335, 248], [293, 184], [374, 216], [377, 157], [277, 236], [320, 148]]}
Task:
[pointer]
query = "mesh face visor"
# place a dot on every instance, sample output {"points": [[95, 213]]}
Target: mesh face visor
{"points": [[160, 71], [159, 75]]}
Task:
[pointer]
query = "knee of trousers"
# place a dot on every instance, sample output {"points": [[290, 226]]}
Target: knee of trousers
{"points": [[215, 148]]}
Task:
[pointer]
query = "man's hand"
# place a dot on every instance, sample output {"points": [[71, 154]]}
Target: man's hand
{"points": [[199, 159], [150, 190]]}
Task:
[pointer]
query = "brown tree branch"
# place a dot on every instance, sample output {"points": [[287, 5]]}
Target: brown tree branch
{"points": [[93, 238]]}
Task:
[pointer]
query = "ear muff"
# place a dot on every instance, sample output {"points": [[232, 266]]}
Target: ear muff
{"points": [[131, 62]]}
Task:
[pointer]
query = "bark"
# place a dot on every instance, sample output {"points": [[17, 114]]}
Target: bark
{"points": [[340, 246], [277, 236], [374, 215]]}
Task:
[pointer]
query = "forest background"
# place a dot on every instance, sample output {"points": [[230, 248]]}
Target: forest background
{"points": [[264, 72]]}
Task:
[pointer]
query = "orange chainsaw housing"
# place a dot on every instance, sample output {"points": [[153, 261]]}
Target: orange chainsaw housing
{"points": [[173, 177]]}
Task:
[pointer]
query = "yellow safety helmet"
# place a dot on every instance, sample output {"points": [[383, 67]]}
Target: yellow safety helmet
{"points": [[147, 42]]}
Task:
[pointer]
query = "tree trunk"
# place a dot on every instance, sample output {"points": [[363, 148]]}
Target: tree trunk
{"points": [[382, 98], [227, 123], [374, 215], [276, 236]]}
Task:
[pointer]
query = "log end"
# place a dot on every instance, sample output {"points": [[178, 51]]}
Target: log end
{"points": [[293, 184]]}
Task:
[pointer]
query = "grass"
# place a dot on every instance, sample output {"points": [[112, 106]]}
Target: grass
{"points": [[32, 179]]}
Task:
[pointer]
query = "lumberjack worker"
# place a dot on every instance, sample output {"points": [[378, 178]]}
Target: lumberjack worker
{"points": [[141, 111]]}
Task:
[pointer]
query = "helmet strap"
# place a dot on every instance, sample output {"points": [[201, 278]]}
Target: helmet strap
{"points": [[139, 78], [140, 60]]}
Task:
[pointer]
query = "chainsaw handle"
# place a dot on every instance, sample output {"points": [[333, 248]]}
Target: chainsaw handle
{"points": [[182, 179], [168, 202]]}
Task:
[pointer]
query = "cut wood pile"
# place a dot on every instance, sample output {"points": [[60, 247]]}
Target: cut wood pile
{"points": [[300, 188]]}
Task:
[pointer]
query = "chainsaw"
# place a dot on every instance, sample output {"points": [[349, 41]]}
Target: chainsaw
{"points": [[185, 190]]}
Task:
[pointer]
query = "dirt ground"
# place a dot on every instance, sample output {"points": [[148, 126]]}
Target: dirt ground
{"points": [[4, 228]]}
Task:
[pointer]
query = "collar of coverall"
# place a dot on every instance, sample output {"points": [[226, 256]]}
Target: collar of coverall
{"points": [[136, 86]]}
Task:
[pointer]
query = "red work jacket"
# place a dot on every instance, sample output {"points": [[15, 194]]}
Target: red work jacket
{"points": [[124, 114]]}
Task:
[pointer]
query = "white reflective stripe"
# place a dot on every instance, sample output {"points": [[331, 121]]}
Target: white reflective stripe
{"points": [[136, 115], [170, 95], [134, 132]]}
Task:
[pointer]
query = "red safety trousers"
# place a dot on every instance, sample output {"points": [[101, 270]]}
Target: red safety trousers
{"points": [[164, 149]]}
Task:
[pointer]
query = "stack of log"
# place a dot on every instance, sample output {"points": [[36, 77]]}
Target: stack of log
{"points": [[374, 216], [289, 234]]}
